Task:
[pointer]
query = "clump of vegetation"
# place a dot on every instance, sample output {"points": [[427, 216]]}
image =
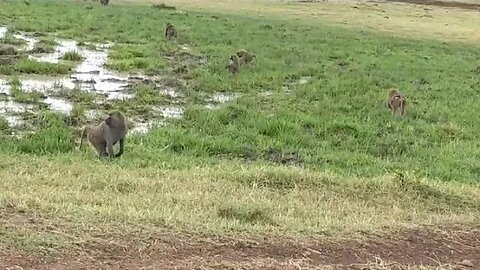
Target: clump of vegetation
{"points": [[163, 6], [26, 97], [4, 126], [22, 96], [72, 56], [44, 45], [78, 95], [145, 94], [30, 66], [7, 50], [10, 39], [53, 136], [77, 115], [246, 214]]}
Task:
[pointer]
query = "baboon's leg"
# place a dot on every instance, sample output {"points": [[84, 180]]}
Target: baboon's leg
{"points": [[122, 142], [110, 147]]}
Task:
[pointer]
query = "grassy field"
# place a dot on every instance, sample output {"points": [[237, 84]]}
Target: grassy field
{"points": [[307, 150]]}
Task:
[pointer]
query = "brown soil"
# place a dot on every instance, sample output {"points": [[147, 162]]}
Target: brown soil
{"points": [[168, 251], [455, 4]]}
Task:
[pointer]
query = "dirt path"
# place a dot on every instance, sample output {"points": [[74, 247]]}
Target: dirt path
{"points": [[454, 4], [417, 247]]}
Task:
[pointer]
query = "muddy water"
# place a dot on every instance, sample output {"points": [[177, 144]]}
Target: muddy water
{"points": [[59, 105], [169, 111], [10, 110], [89, 75]]}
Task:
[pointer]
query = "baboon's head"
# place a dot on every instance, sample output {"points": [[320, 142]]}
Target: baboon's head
{"points": [[114, 118]]}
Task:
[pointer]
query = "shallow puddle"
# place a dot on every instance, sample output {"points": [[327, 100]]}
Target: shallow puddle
{"points": [[3, 31], [9, 109], [54, 58], [145, 127], [223, 98], [171, 92], [59, 105], [170, 111]]}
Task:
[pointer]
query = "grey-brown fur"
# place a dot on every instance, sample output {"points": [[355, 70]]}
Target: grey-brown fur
{"points": [[104, 2], [245, 56], [233, 64], [106, 134], [396, 101], [170, 31]]}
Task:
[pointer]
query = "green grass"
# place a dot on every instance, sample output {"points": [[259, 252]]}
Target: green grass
{"points": [[29, 66], [4, 127], [324, 157], [72, 56]]}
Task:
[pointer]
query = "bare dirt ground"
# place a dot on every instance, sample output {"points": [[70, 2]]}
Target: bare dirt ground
{"points": [[427, 246], [454, 4]]}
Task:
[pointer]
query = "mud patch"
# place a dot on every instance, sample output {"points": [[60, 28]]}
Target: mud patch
{"points": [[427, 247]]}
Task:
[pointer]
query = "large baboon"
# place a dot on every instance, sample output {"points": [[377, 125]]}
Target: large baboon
{"points": [[106, 134]]}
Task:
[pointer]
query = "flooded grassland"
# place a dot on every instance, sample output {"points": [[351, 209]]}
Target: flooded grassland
{"points": [[73, 78]]}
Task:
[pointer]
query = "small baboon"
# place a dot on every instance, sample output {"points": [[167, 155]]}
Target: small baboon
{"points": [[104, 2], [233, 64], [106, 134], [245, 56], [396, 101], [170, 31]]}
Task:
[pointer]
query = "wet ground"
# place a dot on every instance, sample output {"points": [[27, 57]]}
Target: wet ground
{"points": [[451, 248], [92, 76]]}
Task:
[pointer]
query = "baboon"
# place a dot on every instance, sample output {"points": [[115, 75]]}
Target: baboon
{"points": [[170, 31], [104, 2], [245, 56], [106, 134], [233, 64], [396, 101]]}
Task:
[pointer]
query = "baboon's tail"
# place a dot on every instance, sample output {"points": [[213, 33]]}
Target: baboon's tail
{"points": [[84, 133]]}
